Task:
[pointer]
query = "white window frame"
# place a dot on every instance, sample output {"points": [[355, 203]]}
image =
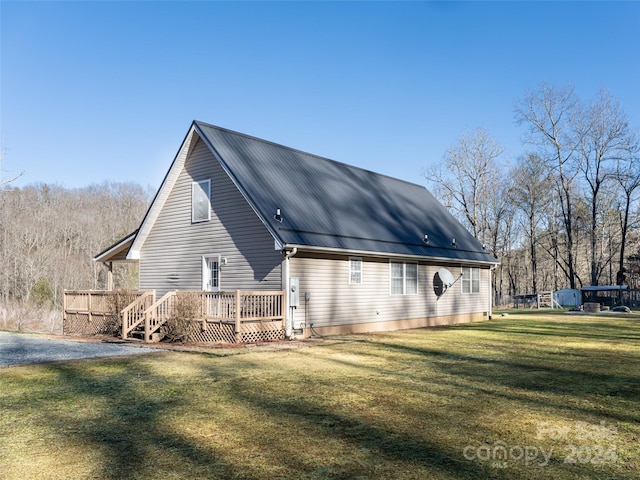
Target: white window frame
{"points": [[355, 271], [202, 186], [206, 272], [470, 282], [406, 286]]}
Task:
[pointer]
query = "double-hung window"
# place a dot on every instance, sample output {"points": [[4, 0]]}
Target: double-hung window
{"points": [[200, 201], [355, 271], [403, 278], [470, 280]]}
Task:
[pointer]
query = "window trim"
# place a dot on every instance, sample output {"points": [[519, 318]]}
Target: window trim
{"points": [[355, 261], [207, 190], [206, 274], [468, 282], [404, 278]]}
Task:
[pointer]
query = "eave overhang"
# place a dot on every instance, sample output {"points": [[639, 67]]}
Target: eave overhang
{"points": [[375, 254], [118, 252]]}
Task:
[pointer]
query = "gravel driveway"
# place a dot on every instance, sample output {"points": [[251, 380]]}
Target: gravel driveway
{"points": [[20, 348]]}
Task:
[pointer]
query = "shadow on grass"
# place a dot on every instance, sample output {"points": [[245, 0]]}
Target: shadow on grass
{"points": [[617, 330], [134, 440], [369, 449], [127, 428], [540, 377], [128, 434]]}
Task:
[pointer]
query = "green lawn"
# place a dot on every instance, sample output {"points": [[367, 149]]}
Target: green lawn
{"points": [[517, 397]]}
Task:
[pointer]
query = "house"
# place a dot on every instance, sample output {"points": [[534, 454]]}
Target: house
{"points": [[355, 250]]}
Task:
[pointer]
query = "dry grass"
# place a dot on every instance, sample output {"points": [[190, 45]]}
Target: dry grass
{"points": [[30, 318], [414, 404]]}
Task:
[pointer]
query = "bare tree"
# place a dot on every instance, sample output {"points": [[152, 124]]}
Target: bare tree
{"points": [[6, 181], [49, 235], [628, 176], [468, 178], [502, 243], [531, 197], [550, 114], [604, 136]]}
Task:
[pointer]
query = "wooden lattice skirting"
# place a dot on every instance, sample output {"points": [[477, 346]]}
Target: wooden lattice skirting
{"points": [[83, 323], [224, 332]]}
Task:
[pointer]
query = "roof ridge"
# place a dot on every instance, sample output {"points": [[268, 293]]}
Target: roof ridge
{"points": [[279, 145]]}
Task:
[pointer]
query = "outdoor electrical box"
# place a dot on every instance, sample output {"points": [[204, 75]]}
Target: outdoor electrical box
{"points": [[294, 292]]}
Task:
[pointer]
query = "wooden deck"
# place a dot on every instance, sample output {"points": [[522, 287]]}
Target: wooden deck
{"points": [[219, 317], [93, 312]]}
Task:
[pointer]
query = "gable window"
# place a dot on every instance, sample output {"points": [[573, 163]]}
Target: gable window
{"points": [[355, 271], [470, 280], [403, 278], [200, 201], [211, 273]]}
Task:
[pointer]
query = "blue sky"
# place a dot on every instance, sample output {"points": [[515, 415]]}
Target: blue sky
{"points": [[95, 91]]}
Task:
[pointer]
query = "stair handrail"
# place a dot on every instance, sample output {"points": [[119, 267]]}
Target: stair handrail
{"points": [[133, 314], [157, 314]]}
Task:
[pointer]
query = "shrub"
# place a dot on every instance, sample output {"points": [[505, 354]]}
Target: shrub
{"points": [[187, 309], [41, 293]]}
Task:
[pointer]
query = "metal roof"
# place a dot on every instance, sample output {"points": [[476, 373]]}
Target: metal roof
{"points": [[603, 288], [332, 205]]}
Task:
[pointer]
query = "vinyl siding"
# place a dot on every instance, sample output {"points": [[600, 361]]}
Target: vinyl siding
{"points": [[171, 256], [334, 301]]}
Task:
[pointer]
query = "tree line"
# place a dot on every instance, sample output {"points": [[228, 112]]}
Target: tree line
{"points": [[565, 212], [49, 235]]}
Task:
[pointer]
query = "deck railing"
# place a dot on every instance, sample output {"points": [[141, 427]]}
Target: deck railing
{"points": [[229, 317], [90, 312], [238, 308]]}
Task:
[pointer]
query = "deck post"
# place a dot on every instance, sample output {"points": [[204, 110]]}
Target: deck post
{"points": [[147, 328], [237, 329], [64, 309], [89, 306], [109, 276], [283, 309]]}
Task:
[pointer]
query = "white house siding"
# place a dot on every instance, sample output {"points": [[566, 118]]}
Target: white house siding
{"points": [[333, 301], [171, 257]]}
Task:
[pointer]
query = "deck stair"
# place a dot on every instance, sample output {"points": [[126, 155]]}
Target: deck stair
{"points": [[133, 315]]}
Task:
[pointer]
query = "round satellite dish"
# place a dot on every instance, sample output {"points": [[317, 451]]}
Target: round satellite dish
{"points": [[446, 277]]}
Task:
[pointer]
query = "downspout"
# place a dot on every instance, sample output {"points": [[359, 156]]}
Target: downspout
{"points": [[288, 330]]}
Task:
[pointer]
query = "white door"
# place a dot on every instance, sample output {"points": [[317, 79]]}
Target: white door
{"points": [[211, 273]]}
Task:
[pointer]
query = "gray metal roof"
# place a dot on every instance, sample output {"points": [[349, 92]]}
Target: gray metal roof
{"points": [[332, 205]]}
